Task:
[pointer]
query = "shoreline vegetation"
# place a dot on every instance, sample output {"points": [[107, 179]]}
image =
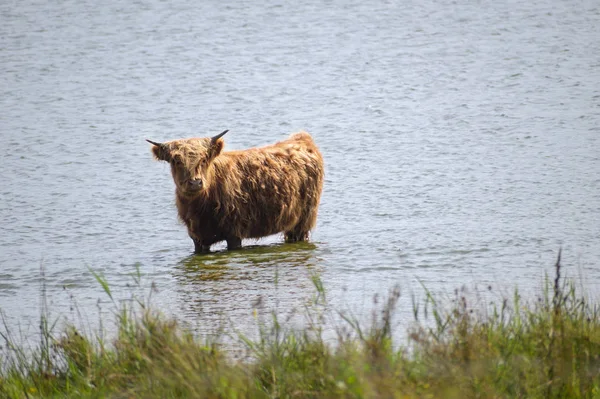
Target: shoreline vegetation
{"points": [[545, 348]]}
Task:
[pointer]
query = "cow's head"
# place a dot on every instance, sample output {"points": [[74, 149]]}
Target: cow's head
{"points": [[190, 161]]}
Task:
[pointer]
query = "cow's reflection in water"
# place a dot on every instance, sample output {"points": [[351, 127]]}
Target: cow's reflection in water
{"points": [[228, 289]]}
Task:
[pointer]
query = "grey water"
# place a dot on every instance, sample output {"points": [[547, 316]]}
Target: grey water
{"points": [[461, 142]]}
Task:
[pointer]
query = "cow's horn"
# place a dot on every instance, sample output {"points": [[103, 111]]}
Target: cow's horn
{"points": [[218, 136], [155, 143]]}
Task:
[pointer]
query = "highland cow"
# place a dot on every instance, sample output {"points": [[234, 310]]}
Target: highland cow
{"points": [[253, 193]]}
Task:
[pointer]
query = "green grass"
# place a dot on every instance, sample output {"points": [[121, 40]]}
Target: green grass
{"points": [[549, 348]]}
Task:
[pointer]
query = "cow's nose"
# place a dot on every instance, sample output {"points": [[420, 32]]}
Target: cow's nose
{"points": [[196, 183]]}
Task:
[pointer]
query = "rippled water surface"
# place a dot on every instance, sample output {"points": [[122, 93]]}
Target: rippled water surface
{"points": [[461, 140]]}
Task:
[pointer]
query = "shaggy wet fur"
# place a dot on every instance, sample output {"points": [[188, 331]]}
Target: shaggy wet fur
{"points": [[245, 194]]}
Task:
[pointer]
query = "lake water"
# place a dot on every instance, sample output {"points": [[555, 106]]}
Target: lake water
{"points": [[461, 141]]}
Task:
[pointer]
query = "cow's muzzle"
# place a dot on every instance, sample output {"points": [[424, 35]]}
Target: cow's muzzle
{"points": [[196, 184]]}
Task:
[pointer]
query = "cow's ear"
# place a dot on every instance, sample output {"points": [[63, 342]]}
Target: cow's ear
{"points": [[160, 153], [156, 152], [217, 147]]}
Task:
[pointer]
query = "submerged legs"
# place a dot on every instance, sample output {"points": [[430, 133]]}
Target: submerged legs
{"points": [[199, 247], [295, 236], [306, 222], [234, 243], [202, 247]]}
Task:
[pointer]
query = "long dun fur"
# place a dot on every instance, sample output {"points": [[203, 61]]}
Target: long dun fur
{"points": [[251, 193]]}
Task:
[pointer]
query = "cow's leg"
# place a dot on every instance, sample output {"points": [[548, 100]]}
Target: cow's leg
{"points": [[307, 221], [296, 235], [234, 243], [197, 246], [200, 247]]}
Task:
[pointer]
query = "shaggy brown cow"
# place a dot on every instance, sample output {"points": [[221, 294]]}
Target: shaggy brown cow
{"points": [[251, 193]]}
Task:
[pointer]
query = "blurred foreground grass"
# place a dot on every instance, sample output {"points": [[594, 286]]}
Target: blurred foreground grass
{"points": [[546, 348]]}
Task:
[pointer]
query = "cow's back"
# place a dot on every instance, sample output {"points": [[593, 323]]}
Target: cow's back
{"points": [[264, 191]]}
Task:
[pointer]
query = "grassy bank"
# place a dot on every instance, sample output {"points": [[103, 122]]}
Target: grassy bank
{"points": [[546, 348]]}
